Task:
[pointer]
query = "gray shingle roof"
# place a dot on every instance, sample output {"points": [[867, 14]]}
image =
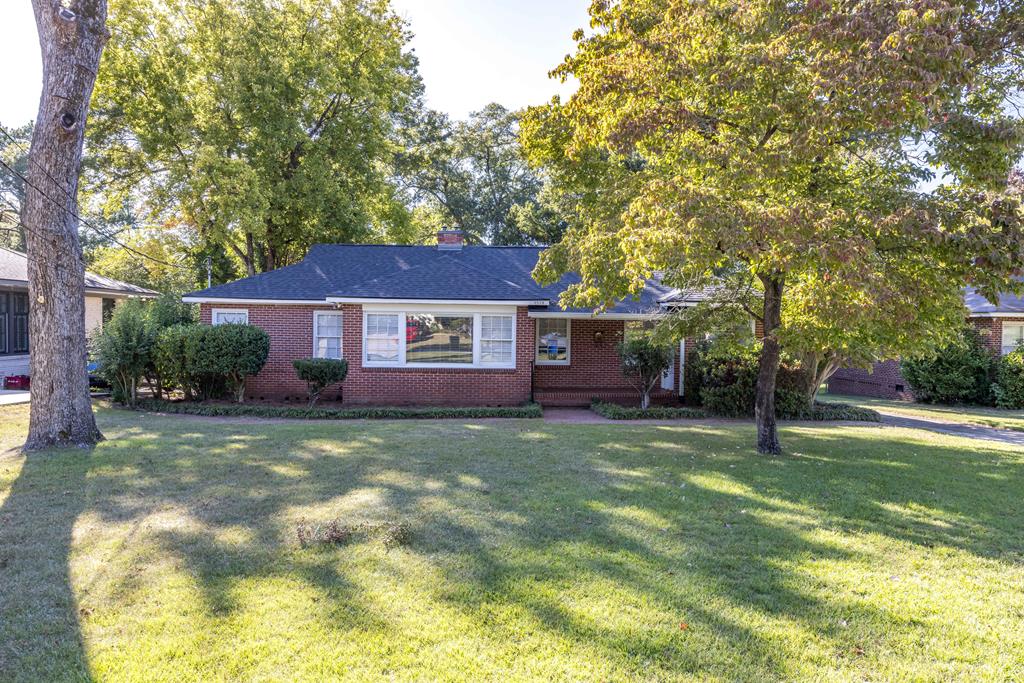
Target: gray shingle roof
{"points": [[14, 269], [417, 272], [978, 305]]}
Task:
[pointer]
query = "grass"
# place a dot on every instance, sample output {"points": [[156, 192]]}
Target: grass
{"points": [[534, 551], [987, 417]]}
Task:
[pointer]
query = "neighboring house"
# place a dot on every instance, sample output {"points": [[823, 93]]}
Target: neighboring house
{"points": [[1000, 325], [443, 324], [101, 295]]}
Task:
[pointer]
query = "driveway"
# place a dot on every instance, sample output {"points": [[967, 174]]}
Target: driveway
{"points": [[968, 431], [9, 397]]}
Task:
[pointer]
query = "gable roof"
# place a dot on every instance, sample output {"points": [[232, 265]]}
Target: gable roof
{"points": [[14, 271], [340, 272]]}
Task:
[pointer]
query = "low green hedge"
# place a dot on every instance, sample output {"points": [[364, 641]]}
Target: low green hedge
{"points": [[614, 411], [530, 410], [829, 412], [823, 412]]}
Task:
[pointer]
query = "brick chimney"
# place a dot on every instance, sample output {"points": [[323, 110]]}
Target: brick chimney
{"points": [[450, 239]]}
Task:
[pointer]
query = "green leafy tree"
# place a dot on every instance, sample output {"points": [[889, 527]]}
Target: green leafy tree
{"points": [[14, 153], [644, 360], [124, 349], [473, 174], [263, 126], [773, 152]]}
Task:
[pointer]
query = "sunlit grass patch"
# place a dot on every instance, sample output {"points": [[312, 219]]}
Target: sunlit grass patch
{"points": [[534, 552]]}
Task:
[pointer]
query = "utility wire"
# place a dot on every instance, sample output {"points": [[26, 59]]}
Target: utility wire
{"points": [[59, 204]]}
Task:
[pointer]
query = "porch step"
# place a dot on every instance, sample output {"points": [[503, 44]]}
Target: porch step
{"points": [[575, 397]]}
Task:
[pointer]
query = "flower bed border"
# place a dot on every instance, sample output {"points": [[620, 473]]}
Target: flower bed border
{"points": [[530, 410]]}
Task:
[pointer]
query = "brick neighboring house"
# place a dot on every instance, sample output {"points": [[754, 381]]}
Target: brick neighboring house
{"points": [[1001, 326], [101, 295], [446, 325]]}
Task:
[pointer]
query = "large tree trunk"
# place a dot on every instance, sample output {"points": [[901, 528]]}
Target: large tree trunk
{"points": [[764, 404], [72, 41]]}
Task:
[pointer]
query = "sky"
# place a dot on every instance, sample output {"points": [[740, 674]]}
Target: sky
{"points": [[471, 52]]}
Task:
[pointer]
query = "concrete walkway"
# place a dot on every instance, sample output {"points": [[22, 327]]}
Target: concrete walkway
{"points": [[9, 397]]}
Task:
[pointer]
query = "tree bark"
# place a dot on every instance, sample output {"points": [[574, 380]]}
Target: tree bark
{"points": [[71, 40], [768, 370]]}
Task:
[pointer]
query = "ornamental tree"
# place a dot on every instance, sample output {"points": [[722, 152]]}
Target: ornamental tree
{"points": [[644, 361], [775, 152]]}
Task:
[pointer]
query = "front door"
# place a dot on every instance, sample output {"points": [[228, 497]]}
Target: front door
{"points": [[668, 378]]}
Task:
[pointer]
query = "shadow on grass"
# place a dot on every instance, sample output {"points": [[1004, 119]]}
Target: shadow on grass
{"points": [[672, 525], [39, 633]]}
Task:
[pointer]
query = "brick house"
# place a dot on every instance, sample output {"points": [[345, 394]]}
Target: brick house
{"points": [[447, 325], [101, 295], [1001, 326]]}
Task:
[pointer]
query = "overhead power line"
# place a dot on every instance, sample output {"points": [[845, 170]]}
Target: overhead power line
{"points": [[61, 205]]}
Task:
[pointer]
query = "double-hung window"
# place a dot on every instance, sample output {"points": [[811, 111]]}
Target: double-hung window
{"points": [[442, 338], [1013, 337], [381, 341], [13, 323], [230, 316], [497, 341], [553, 341], [327, 334]]}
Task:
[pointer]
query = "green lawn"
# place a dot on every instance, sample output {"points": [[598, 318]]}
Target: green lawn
{"points": [[538, 552], [989, 417]]}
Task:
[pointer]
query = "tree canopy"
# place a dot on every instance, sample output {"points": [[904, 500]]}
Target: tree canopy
{"points": [[775, 152], [262, 126], [473, 174]]}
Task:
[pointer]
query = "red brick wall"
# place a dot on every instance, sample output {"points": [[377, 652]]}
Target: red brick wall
{"points": [[291, 337], [886, 379], [594, 365]]}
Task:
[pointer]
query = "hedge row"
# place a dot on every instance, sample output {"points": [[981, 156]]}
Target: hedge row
{"points": [[530, 410], [823, 412], [829, 412], [614, 411]]}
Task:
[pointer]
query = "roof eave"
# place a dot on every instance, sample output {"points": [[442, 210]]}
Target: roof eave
{"points": [[442, 302]]}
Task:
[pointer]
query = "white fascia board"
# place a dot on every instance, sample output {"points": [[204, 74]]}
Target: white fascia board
{"points": [[1011, 314], [434, 302], [593, 316], [252, 302]]}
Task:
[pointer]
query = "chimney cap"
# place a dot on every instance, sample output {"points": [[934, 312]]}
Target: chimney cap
{"points": [[450, 239]]}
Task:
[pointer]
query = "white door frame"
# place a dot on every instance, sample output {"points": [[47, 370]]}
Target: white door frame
{"points": [[682, 367]]}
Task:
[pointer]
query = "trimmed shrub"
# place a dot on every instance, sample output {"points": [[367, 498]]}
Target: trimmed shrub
{"points": [[613, 411], [171, 358], [1008, 389], [529, 410], [960, 373], [729, 386], [320, 373], [236, 352], [123, 350]]}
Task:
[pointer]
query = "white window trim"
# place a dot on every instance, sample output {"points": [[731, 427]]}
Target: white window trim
{"points": [[568, 346], [215, 311], [1003, 348], [460, 311], [316, 330]]}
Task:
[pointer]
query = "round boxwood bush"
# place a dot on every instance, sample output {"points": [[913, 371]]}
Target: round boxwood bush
{"points": [[1009, 385], [237, 352], [320, 373], [959, 373]]}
